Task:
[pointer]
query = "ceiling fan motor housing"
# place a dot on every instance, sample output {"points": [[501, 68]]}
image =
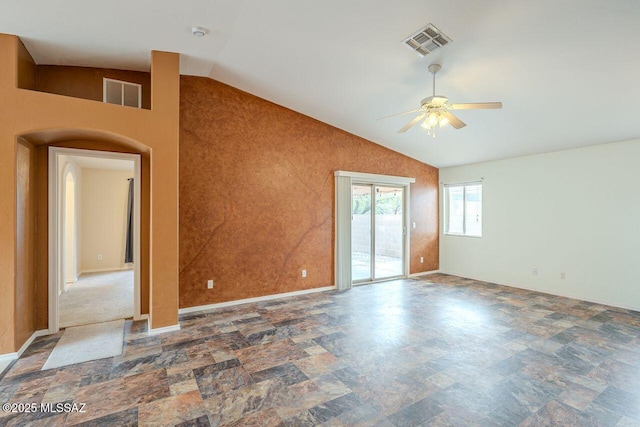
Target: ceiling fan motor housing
{"points": [[434, 68], [434, 101]]}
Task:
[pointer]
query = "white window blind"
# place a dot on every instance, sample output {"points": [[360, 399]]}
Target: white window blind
{"points": [[463, 209], [455, 198]]}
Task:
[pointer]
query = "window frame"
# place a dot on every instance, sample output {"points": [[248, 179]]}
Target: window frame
{"points": [[446, 218]]}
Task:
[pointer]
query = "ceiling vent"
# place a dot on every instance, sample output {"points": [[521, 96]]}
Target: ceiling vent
{"points": [[426, 40]]}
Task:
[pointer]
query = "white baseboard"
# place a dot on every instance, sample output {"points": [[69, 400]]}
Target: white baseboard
{"points": [[424, 273], [9, 357], [142, 317], [557, 294], [252, 300], [105, 270], [162, 330]]}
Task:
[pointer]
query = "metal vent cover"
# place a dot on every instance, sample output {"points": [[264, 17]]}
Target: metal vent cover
{"points": [[426, 40]]}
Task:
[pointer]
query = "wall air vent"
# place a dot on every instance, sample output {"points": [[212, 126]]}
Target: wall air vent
{"points": [[121, 93], [426, 40]]}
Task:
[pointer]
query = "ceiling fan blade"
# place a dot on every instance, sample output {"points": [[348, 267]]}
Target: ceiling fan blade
{"points": [[453, 120], [477, 106], [399, 114], [411, 123]]}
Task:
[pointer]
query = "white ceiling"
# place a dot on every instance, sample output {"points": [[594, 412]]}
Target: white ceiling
{"points": [[566, 71]]}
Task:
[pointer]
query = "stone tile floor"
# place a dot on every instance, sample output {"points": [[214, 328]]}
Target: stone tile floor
{"points": [[441, 351]]}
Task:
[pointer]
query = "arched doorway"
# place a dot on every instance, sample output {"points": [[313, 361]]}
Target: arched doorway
{"points": [[49, 232]]}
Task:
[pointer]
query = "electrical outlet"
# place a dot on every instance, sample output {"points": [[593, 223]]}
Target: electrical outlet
{"points": [[209, 284], [99, 257], [563, 275], [421, 259], [534, 271], [304, 273]]}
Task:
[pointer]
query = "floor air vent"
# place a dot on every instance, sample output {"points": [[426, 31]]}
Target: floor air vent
{"points": [[426, 40]]}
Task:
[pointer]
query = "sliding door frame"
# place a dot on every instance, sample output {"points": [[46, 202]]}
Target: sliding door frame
{"points": [[344, 181], [372, 234], [372, 250]]}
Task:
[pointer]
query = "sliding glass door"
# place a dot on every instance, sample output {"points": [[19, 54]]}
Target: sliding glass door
{"points": [[361, 232], [388, 232], [377, 232]]}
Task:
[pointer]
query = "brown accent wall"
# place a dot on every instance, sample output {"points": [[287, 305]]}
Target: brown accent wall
{"points": [[25, 318], [257, 195], [86, 83]]}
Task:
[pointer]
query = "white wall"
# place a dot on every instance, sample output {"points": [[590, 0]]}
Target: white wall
{"points": [[575, 211], [103, 209]]}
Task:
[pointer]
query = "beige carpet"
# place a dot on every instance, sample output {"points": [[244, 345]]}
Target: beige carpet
{"points": [[83, 343], [96, 298]]}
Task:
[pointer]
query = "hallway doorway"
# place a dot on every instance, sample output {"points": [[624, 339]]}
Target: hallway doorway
{"points": [[94, 237]]}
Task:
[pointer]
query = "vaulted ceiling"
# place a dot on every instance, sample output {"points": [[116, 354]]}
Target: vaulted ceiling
{"points": [[566, 71]]}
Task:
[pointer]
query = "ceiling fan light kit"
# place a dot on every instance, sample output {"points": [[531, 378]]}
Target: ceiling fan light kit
{"points": [[434, 110]]}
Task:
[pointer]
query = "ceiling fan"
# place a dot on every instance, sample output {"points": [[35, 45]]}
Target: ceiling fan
{"points": [[435, 110]]}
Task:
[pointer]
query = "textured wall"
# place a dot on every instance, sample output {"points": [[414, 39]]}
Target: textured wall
{"points": [[25, 241], [257, 190]]}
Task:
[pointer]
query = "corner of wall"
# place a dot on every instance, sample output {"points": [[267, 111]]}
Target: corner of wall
{"points": [[9, 54], [165, 105], [26, 68]]}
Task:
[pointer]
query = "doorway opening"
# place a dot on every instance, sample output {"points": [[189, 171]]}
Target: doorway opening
{"points": [[371, 239], [94, 237], [377, 232]]}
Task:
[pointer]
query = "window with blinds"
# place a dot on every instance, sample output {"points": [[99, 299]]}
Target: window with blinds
{"points": [[463, 209]]}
